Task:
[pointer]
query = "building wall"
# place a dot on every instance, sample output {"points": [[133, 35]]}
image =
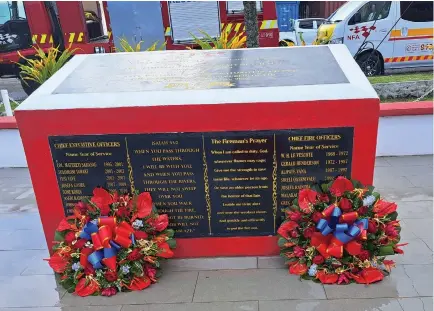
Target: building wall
{"points": [[319, 8]]}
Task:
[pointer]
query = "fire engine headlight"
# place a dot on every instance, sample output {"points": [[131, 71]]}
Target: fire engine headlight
{"points": [[337, 41], [99, 49]]}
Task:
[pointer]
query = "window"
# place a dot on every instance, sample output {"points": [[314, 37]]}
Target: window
{"points": [[417, 11], [237, 7], [305, 24], [371, 11], [11, 10], [319, 22]]}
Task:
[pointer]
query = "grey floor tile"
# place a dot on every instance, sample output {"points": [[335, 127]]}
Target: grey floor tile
{"points": [[416, 304], [416, 209], [29, 291], [387, 171], [29, 194], [198, 264], [14, 172], [421, 180], [273, 262], [23, 221], [38, 265], [24, 240], [420, 227], [410, 160], [13, 263], [10, 193], [172, 287], [255, 284], [397, 285], [421, 276], [392, 182], [19, 182], [381, 161], [332, 305], [429, 242], [407, 194], [84, 308], [415, 253], [208, 306]]}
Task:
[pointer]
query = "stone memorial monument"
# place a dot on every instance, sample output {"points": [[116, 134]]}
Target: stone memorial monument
{"points": [[222, 139]]}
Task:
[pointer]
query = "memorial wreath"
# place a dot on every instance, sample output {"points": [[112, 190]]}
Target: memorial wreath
{"points": [[340, 232], [111, 243]]}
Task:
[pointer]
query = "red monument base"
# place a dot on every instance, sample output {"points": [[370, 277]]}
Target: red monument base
{"points": [[208, 94]]}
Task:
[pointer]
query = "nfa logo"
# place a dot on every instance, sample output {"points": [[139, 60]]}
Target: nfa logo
{"points": [[365, 31]]}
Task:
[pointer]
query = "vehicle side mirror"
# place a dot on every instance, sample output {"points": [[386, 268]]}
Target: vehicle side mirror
{"points": [[357, 18]]}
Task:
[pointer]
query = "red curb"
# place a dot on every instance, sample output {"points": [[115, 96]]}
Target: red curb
{"points": [[386, 110]]}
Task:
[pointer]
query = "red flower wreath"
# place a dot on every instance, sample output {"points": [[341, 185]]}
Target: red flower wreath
{"points": [[111, 243], [340, 232]]}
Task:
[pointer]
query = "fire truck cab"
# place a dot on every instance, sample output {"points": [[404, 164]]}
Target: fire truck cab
{"points": [[28, 24], [183, 18]]}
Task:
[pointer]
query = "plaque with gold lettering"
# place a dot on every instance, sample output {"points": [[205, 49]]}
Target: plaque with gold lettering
{"points": [[211, 183]]}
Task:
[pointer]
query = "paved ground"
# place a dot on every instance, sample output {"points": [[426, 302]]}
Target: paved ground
{"points": [[26, 282]]}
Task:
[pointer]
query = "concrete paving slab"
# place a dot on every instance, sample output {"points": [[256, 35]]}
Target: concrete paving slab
{"points": [[415, 210], [416, 304], [415, 253], [202, 264], [397, 285], [24, 239], [422, 278], [421, 180], [332, 305], [381, 161], [208, 306], [96, 308], [20, 221], [254, 284], [272, 262], [172, 287], [392, 182], [407, 194], [29, 291], [411, 160], [420, 227], [14, 263]]}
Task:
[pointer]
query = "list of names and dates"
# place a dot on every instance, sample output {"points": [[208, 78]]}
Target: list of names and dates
{"points": [[210, 184]]}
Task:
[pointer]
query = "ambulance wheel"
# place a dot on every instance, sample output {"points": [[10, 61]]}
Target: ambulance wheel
{"points": [[286, 43], [370, 63]]}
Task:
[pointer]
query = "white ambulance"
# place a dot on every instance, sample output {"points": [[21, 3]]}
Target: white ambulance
{"points": [[383, 34]]}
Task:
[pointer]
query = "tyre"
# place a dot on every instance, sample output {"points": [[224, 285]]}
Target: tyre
{"points": [[286, 43], [370, 63], [28, 86]]}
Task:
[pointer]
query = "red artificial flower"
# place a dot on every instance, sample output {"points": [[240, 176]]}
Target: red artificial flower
{"points": [[160, 223], [111, 276], [345, 205], [364, 255], [318, 259], [327, 278], [344, 278], [144, 205], [316, 217], [140, 235], [134, 255], [297, 268], [368, 276], [294, 216], [79, 244], [324, 198], [340, 185], [89, 269], [391, 231], [388, 265], [397, 249], [306, 198], [123, 212], [82, 207], [308, 232], [164, 251], [287, 227], [64, 225], [109, 291], [362, 210], [383, 208], [102, 199], [58, 263], [139, 283], [69, 237], [151, 273], [86, 287], [294, 234], [372, 226], [298, 251]]}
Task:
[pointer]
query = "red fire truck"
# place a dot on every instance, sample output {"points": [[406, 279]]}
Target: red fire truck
{"points": [[183, 18], [26, 24]]}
